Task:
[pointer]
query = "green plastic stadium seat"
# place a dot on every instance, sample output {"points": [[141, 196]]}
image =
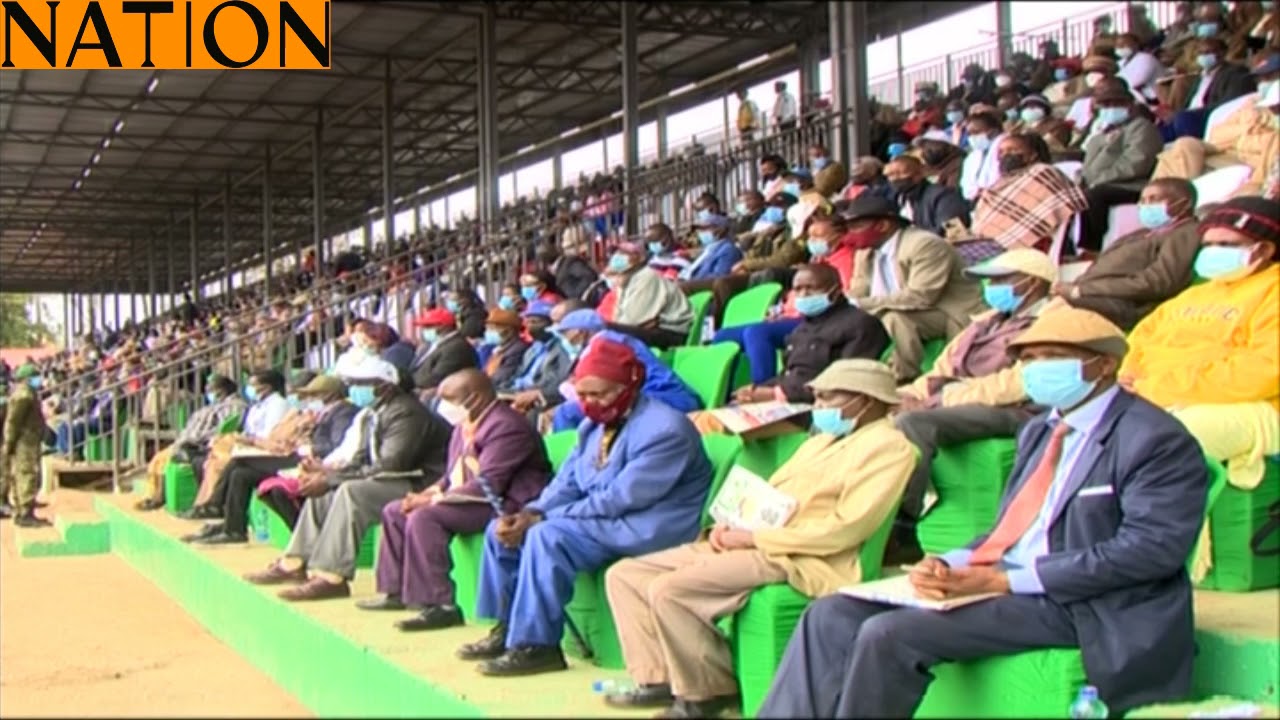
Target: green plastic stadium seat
{"points": [[699, 301], [969, 479], [751, 305], [1236, 518], [706, 370], [932, 351], [466, 552], [559, 445], [278, 531], [723, 451], [180, 487]]}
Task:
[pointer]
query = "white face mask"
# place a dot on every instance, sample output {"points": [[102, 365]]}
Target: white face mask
{"points": [[1091, 79], [452, 414]]}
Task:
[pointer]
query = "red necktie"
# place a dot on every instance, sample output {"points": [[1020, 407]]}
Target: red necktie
{"points": [[1025, 506]]}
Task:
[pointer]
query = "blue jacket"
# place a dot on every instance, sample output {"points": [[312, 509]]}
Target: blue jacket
{"points": [[650, 492], [721, 256], [1119, 540]]}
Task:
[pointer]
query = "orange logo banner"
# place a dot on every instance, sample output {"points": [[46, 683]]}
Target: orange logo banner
{"points": [[169, 35]]}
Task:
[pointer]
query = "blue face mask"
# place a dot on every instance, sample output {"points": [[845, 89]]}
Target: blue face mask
{"points": [[1032, 115], [981, 143], [657, 248], [451, 305], [251, 393], [211, 397], [1206, 60], [818, 248], [896, 149], [1057, 383], [955, 117], [361, 395], [1112, 115], [818, 163], [573, 351], [1011, 114], [792, 189], [316, 406], [1215, 261], [619, 262], [828, 420], [506, 302], [774, 215], [1153, 215], [1206, 29], [528, 293], [812, 305], [493, 337], [706, 237], [1001, 298], [34, 383], [294, 402], [429, 335], [1061, 74]]}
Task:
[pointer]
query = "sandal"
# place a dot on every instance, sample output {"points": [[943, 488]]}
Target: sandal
{"points": [[148, 504]]}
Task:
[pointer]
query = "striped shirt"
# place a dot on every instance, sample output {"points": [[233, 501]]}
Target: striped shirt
{"points": [[1026, 208]]}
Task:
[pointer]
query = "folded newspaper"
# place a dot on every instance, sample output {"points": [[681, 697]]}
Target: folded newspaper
{"points": [[747, 502], [898, 590], [742, 419]]}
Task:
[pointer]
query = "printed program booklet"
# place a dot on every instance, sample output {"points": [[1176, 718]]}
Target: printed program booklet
{"points": [[748, 502]]}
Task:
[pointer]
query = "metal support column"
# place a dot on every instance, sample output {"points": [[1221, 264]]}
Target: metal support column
{"points": [[1004, 32], [133, 279], [630, 114], [67, 333], [487, 122], [194, 247], [268, 240], [905, 100], [388, 179], [854, 70], [810, 83], [840, 96], [557, 170], [226, 237], [171, 260], [152, 290], [317, 190], [115, 298]]}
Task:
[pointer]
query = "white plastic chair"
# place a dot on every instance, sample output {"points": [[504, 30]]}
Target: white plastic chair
{"points": [[1122, 220], [1071, 168], [1221, 112], [1219, 185]]}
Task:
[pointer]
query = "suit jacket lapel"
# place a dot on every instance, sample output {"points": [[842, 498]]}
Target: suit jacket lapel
{"points": [[1089, 454]]}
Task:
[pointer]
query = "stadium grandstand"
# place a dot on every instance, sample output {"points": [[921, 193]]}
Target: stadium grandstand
{"points": [[691, 357]]}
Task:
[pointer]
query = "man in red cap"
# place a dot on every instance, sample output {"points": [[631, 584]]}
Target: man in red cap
{"points": [[443, 351], [635, 483]]}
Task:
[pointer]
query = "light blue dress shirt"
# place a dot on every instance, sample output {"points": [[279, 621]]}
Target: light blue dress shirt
{"points": [[884, 273], [1019, 560], [264, 415]]}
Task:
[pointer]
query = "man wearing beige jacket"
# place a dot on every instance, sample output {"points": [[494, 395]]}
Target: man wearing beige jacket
{"points": [[974, 390], [910, 278], [845, 481]]}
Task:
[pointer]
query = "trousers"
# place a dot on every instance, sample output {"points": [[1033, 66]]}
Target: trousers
{"points": [[666, 605], [929, 430], [330, 527], [413, 559], [910, 330], [850, 658], [283, 505], [760, 343], [654, 337], [1096, 220], [240, 478], [20, 477]]}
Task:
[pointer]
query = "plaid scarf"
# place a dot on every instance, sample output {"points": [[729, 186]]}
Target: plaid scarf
{"points": [[1026, 208]]}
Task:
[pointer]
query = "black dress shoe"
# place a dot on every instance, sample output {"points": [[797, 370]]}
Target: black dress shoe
{"points": [[657, 695], [29, 520], [525, 660], [492, 646], [433, 617], [683, 709], [222, 538], [208, 531], [385, 602], [201, 512]]}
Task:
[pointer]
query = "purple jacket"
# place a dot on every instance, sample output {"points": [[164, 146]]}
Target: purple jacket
{"points": [[511, 455]]}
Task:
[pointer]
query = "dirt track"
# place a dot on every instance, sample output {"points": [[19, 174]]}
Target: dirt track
{"points": [[90, 636]]}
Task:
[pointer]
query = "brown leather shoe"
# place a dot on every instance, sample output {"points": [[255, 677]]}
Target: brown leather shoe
{"points": [[276, 574], [316, 589]]}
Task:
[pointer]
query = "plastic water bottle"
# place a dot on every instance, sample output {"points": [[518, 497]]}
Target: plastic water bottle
{"points": [[1087, 704], [259, 522], [612, 687]]}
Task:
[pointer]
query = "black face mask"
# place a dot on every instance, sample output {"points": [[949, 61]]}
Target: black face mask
{"points": [[539, 334], [1012, 163], [903, 187]]}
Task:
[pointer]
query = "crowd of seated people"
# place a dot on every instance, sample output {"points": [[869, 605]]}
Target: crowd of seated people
{"points": [[1116, 381]]}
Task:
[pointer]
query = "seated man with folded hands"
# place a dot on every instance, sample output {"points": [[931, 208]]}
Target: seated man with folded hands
{"points": [[636, 482], [844, 480]]}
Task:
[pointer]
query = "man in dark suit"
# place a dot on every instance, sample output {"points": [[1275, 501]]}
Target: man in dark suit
{"points": [[1220, 82], [502, 330], [495, 458], [402, 444], [926, 204], [1104, 505], [443, 351]]}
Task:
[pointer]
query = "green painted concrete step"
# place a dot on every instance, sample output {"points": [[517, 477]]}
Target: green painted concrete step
{"points": [[74, 534]]}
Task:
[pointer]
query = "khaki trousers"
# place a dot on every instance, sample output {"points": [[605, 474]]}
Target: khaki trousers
{"points": [[219, 455], [909, 331], [155, 472], [665, 605]]}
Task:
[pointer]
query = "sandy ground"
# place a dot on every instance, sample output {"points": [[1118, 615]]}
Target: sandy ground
{"points": [[90, 636]]}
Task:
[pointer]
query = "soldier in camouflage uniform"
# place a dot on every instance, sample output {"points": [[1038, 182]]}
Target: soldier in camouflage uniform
{"points": [[24, 431]]}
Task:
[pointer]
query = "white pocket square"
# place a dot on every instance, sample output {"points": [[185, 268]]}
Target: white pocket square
{"points": [[1096, 490]]}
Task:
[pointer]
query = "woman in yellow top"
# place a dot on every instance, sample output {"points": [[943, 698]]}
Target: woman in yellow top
{"points": [[1211, 355]]}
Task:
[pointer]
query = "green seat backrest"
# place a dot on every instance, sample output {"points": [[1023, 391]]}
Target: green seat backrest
{"points": [[723, 450], [1217, 483], [699, 301], [706, 370], [229, 425], [664, 356], [751, 306], [932, 351], [888, 352], [559, 445]]}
